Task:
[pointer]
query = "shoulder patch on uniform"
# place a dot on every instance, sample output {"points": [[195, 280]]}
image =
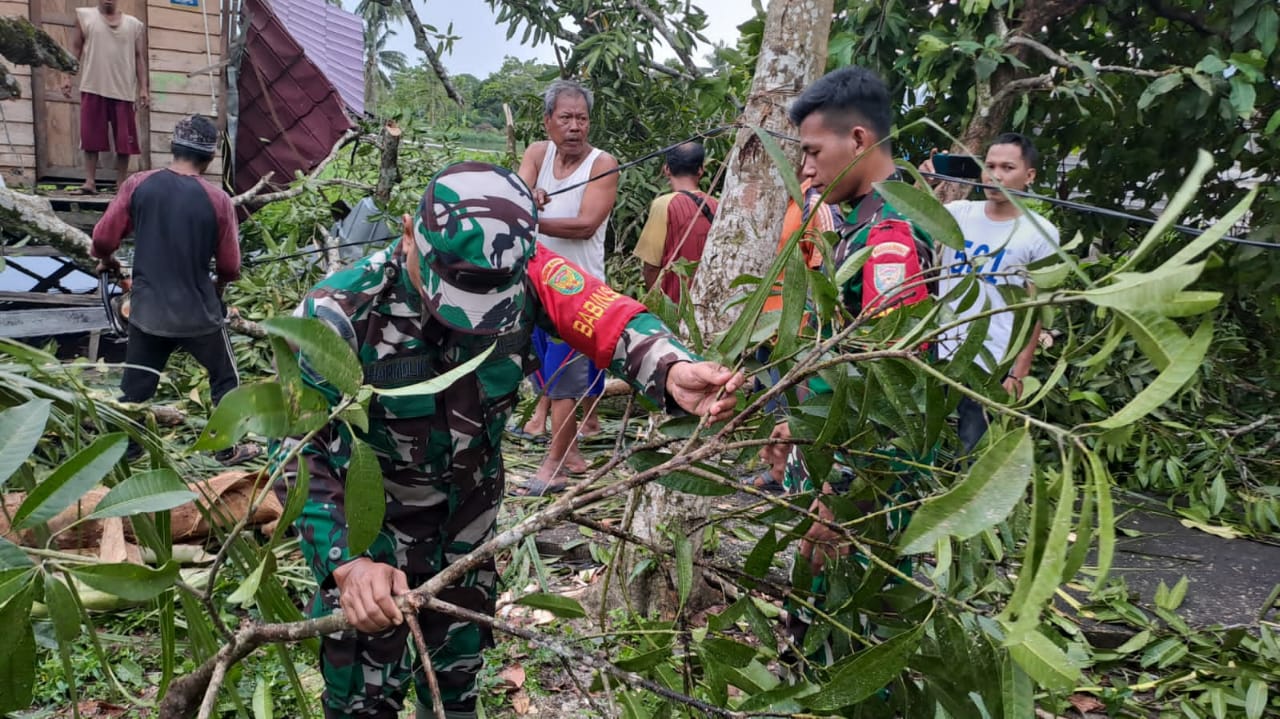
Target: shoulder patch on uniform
{"points": [[563, 277], [889, 275]]}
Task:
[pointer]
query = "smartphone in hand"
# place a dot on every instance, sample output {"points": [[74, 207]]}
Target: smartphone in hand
{"points": [[957, 166]]}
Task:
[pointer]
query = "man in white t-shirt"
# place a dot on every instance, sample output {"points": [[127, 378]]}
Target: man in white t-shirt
{"points": [[1000, 241]]}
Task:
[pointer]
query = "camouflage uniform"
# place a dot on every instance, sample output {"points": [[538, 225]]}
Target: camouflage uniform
{"points": [[440, 455], [901, 252]]}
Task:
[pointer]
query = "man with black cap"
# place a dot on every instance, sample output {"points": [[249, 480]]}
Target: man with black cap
{"points": [[180, 223], [467, 275]]}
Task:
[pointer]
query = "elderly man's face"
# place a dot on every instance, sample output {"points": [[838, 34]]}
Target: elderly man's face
{"points": [[568, 123]]}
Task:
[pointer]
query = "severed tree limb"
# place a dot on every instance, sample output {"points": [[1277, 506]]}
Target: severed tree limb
{"points": [[389, 164], [1021, 86], [24, 44], [421, 42]]}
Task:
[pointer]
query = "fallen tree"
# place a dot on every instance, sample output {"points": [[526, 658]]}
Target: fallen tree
{"points": [[25, 44]]}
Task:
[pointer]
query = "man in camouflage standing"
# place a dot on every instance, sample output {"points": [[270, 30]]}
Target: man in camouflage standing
{"points": [[467, 275]]}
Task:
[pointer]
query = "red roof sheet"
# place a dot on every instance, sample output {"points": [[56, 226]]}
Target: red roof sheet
{"points": [[290, 113]]}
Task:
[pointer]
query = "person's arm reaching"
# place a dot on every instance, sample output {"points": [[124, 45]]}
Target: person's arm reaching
{"points": [[597, 203], [114, 225], [530, 165], [77, 51], [140, 63], [616, 332], [227, 256]]}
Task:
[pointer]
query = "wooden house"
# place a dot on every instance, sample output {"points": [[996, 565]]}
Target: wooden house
{"points": [[185, 44]]}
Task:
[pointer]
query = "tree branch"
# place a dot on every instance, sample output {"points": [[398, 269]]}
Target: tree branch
{"points": [[1061, 60], [1186, 17], [658, 24], [24, 44], [422, 43], [389, 164], [1021, 86]]}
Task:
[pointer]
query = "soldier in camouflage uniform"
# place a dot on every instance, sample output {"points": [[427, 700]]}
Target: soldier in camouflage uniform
{"points": [[840, 117], [466, 275]]}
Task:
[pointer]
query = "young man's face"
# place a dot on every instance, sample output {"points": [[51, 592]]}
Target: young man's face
{"points": [[1006, 166], [827, 153], [568, 123]]}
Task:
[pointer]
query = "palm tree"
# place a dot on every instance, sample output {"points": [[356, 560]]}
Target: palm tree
{"points": [[379, 62]]}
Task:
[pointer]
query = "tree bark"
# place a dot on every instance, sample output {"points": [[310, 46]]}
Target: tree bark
{"points": [[24, 44], [793, 53], [389, 164], [743, 239]]}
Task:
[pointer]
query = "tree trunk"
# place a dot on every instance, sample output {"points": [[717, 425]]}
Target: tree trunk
{"points": [[793, 53], [743, 239], [24, 44]]}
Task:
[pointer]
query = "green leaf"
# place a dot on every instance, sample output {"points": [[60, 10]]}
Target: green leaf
{"points": [[70, 481], [563, 607], [925, 210], [152, 491], [286, 363], [62, 609], [322, 350], [1106, 516], [20, 430], [1048, 665], [248, 589], [263, 707], [680, 481], [1016, 692], [366, 501], [795, 290], [17, 654], [1157, 336], [1196, 247], [128, 581], [438, 383], [1273, 124], [851, 265], [993, 486], [1181, 369], [12, 557], [867, 672], [1158, 87], [1255, 701], [260, 408], [1243, 96], [1173, 210], [761, 556], [684, 567], [1137, 292], [294, 501], [1048, 574], [782, 164], [1211, 65]]}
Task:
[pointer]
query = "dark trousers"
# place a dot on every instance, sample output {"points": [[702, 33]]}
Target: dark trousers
{"points": [[971, 425], [152, 353]]}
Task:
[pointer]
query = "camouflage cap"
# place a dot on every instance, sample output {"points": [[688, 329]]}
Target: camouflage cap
{"points": [[475, 234]]}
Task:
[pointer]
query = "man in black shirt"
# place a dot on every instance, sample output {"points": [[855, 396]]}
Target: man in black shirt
{"points": [[180, 224]]}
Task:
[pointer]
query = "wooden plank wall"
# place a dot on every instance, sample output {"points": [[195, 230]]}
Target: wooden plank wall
{"points": [[176, 41], [17, 136]]}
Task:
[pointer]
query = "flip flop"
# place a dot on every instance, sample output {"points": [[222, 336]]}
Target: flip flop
{"points": [[538, 488], [83, 191], [238, 454], [520, 433]]}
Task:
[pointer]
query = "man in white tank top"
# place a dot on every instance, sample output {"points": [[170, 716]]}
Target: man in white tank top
{"points": [[571, 223]]}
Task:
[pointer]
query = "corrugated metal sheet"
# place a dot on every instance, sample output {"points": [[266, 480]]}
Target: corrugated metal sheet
{"points": [[333, 39], [290, 112]]}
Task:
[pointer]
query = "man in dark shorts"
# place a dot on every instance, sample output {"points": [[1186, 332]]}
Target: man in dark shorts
{"points": [[180, 223], [111, 48]]}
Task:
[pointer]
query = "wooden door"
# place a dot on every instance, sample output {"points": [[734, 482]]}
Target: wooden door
{"points": [[57, 118]]}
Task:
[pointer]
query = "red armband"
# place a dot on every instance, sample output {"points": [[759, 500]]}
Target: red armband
{"points": [[586, 312], [893, 261]]}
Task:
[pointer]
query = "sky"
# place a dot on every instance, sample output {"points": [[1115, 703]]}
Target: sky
{"points": [[483, 43]]}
